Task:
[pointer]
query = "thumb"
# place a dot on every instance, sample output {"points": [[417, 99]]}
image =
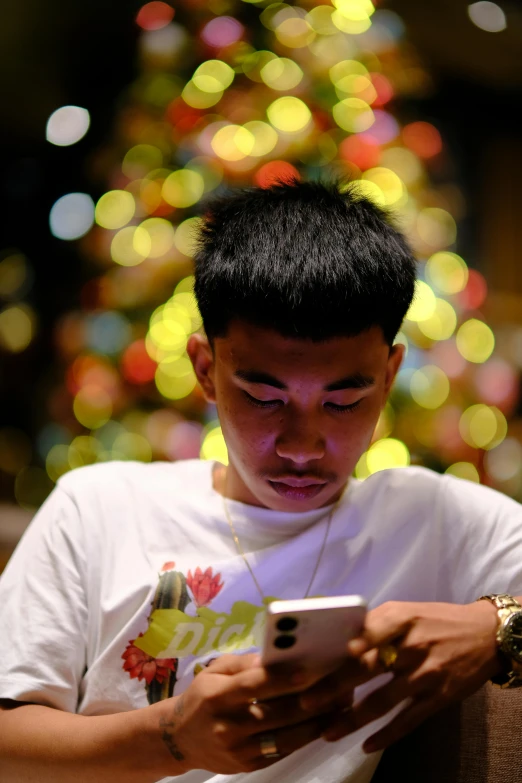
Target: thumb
{"points": [[233, 664]]}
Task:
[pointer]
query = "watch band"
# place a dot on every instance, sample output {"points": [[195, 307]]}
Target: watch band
{"points": [[506, 605]]}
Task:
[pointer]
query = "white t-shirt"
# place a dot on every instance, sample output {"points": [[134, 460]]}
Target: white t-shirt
{"points": [[128, 581]]}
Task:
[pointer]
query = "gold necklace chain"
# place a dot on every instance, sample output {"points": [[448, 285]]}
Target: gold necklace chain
{"points": [[243, 555]]}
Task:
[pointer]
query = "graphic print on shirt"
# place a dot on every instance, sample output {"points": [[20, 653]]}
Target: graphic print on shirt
{"points": [[171, 594]]}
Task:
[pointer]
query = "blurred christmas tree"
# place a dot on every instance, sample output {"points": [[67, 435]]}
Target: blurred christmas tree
{"points": [[235, 93]]}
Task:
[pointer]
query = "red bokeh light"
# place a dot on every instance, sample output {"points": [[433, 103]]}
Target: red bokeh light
{"points": [[474, 295], [383, 88], [136, 364], [275, 170], [363, 152], [155, 15], [422, 138]]}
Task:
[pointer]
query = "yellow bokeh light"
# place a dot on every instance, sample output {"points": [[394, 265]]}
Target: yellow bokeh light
{"points": [[357, 86], [483, 426], [17, 323], [475, 341], [275, 13], [233, 142], [186, 236], [114, 209], [289, 114], [199, 99], [281, 74], [130, 246], [265, 137], [132, 446], [295, 33], [254, 62], [92, 407], [57, 461], [404, 163], [213, 76], [351, 26], [382, 455], [353, 114], [441, 324], [436, 227], [84, 450], [161, 233], [388, 182], [186, 300], [342, 73], [186, 285], [183, 188], [141, 159], [320, 19], [175, 377], [424, 303], [464, 470], [214, 446], [447, 271], [429, 386], [357, 10], [169, 334]]}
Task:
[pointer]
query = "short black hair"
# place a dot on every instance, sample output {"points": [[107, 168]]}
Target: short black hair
{"points": [[309, 259]]}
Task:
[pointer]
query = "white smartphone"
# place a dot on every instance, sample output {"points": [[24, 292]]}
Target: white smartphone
{"points": [[314, 630]]}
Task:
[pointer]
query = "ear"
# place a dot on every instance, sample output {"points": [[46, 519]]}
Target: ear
{"points": [[202, 358], [394, 362]]}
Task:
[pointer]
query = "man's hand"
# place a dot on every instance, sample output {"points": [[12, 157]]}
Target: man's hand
{"points": [[445, 653], [214, 725]]}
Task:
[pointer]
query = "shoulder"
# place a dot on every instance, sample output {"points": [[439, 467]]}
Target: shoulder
{"points": [[416, 488], [407, 486], [128, 479]]}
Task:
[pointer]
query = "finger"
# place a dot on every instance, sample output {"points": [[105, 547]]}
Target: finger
{"points": [[261, 684], [278, 713], [287, 741], [233, 664], [374, 706], [386, 623], [343, 681], [407, 720]]}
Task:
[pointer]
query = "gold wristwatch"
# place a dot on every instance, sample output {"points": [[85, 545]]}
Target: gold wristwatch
{"points": [[509, 640]]}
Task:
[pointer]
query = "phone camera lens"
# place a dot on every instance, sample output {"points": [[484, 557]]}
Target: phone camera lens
{"points": [[286, 624], [284, 642]]}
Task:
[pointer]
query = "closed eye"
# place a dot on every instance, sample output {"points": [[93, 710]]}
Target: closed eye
{"points": [[260, 403], [343, 408], [273, 403]]}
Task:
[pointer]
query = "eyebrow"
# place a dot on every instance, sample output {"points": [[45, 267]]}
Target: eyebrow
{"points": [[354, 381]]}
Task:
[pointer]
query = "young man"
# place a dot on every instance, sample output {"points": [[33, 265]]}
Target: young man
{"points": [[132, 609]]}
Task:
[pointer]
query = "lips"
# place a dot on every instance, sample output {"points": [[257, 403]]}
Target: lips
{"points": [[299, 489], [293, 481]]}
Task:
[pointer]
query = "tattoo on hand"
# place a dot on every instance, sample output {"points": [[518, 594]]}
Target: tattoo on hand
{"points": [[169, 728]]}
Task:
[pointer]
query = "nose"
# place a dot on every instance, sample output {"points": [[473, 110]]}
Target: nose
{"points": [[300, 441]]}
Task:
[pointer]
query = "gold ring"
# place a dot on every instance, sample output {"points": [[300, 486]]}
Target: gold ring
{"points": [[388, 655], [268, 746]]}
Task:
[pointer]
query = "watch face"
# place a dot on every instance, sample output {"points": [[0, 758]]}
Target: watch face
{"points": [[513, 636]]}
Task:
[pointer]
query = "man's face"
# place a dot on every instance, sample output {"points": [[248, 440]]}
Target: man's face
{"points": [[296, 415]]}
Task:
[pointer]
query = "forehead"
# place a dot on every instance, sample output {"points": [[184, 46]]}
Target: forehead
{"points": [[247, 346]]}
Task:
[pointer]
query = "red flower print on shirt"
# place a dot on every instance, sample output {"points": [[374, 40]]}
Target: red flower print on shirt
{"points": [[144, 667], [203, 586], [168, 566]]}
